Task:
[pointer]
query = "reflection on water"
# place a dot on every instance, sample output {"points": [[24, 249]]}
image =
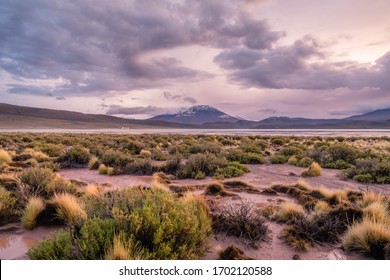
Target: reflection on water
{"points": [[14, 246], [285, 132]]}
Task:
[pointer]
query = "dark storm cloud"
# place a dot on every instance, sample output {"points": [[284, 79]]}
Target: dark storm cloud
{"points": [[120, 110], [98, 46], [303, 65]]}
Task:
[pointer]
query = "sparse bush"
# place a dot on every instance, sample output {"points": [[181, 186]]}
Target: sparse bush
{"points": [[234, 169], [240, 221], [111, 171], [277, 141], [34, 207], [305, 162]]}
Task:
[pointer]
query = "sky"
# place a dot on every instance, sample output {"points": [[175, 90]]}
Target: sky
{"points": [[248, 58]]}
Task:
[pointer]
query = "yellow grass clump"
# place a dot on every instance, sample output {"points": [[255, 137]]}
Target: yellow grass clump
{"points": [[69, 209], [119, 250], [371, 197], [377, 212], [93, 190], [102, 169], [288, 210], [368, 237], [313, 171], [322, 207], [38, 155], [93, 163], [5, 157], [34, 207]]}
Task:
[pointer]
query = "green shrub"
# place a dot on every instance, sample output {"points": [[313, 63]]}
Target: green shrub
{"points": [[166, 227], [206, 163], [36, 182], [96, 236], [234, 169], [277, 141], [57, 246], [251, 158], [305, 162], [278, 159], [76, 156]]}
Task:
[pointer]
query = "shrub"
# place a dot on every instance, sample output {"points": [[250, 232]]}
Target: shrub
{"points": [[251, 158], [165, 227], [214, 189], [368, 238], [7, 206], [111, 171], [96, 236], [278, 159], [240, 221], [293, 160], [34, 207], [206, 163], [234, 169], [35, 182], [76, 156], [141, 167], [277, 141], [5, 157], [69, 209], [313, 171], [93, 163], [57, 246], [305, 162], [145, 153], [38, 155], [102, 169]]}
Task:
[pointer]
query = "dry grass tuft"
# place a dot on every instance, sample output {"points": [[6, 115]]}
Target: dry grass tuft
{"points": [[119, 250], [368, 238], [102, 169], [216, 189], [239, 186], [93, 163], [313, 171], [287, 211], [377, 212], [34, 207], [233, 253], [5, 157], [93, 190], [69, 209], [371, 197]]}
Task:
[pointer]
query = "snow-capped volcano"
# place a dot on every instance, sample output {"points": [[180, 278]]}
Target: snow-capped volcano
{"points": [[198, 114]]}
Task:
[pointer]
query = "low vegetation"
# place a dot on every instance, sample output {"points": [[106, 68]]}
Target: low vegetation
{"points": [[166, 220]]}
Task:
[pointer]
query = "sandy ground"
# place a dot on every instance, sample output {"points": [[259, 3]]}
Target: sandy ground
{"points": [[15, 241]]}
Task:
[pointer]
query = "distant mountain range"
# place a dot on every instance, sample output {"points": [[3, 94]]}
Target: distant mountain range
{"points": [[200, 116]]}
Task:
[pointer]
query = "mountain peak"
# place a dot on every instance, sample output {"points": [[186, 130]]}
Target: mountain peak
{"points": [[197, 114]]}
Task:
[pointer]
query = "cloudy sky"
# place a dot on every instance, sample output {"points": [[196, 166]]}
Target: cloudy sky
{"points": [[251, 58]]}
